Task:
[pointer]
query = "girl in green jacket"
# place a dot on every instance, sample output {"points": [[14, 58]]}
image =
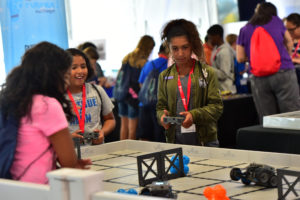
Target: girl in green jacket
{"points": [[188, 89]]}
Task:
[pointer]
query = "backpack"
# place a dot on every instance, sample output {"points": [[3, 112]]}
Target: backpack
{"points": [[264, 54], [8, 143], [148, 92], [101, 111], [9, 128], [121, 88]]}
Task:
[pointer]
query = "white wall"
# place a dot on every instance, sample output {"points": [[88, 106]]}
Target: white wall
{"points": [[286, 7], [122, 22], [233, 27]]}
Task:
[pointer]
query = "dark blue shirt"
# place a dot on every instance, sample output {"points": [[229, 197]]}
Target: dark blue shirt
{"points": [[159, 63]]}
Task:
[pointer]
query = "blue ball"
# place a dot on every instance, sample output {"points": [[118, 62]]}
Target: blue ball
{"points": [[132, 191], [186, 160], [173, 170], [173, 157], [121, 191], [176, 162], [186, 169]]}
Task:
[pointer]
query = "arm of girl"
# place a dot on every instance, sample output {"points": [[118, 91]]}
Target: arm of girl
{"points": [[76, 134], [166, 126], [288, 42], [240, 54], [64, 148], [108, 126], [109, 123]]}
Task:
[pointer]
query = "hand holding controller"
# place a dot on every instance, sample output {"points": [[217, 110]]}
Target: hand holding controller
{"points": [[90, 136], [174, 120], [166, 126]]}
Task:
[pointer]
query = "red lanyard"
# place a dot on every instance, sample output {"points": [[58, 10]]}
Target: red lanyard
{"points": [[216, 52], [80, 120], [185, 101], [295, 51]]}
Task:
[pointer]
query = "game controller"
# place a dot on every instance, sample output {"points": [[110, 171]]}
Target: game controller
{"points": [[174, 120], [90, 136], [87, 138]]}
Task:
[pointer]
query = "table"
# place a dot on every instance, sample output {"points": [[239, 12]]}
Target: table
{"points": [[239, 111], [208, 167], [268, 139], [115, 167]]}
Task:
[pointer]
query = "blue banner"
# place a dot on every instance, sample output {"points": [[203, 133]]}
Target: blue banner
{"points": [[25, 23]]}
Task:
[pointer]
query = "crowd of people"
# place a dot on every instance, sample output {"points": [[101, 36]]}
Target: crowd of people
{"points": [[56, 95]]}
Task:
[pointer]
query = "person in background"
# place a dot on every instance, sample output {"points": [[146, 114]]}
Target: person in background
{"points": [[188, 88], [93, 56], [279, 92], [98, 78], [149, 129], [208, 48], [99, 72], [129, 109], [93, 112], [222, 59], [292, 24], [239, 68], [34, 95]]}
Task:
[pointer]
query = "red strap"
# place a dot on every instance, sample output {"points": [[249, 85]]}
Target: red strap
{"points": [[296, 49], [162, 56], [80, 120], [185, 101], [215, 55]]}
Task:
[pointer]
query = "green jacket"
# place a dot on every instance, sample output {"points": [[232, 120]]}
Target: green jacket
{"points": [[207, 105]]}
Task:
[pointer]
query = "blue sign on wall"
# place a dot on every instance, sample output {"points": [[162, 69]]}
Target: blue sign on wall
{"points": [[25, 23]]}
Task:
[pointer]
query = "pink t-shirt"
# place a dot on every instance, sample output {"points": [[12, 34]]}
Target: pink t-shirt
{"points": [[34, 150]]}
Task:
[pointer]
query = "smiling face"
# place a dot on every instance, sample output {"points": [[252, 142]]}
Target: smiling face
{"points": [[79, 72], [181, 50]]}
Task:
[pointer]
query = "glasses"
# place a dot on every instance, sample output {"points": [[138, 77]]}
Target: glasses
{"points": [[292, 29]]}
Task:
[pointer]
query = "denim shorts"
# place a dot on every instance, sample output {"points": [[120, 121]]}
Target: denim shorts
{"points": [[126, 110]]}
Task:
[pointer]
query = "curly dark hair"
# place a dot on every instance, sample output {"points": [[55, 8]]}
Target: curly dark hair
{"points": [[77, 52], [182, 27], [42, 71], [263, 14]]}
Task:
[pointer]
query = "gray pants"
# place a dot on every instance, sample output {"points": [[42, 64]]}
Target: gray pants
{"points": [[277, 93]]}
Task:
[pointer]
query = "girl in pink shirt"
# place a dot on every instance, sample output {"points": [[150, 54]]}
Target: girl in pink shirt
{"points": [[34, 95]]}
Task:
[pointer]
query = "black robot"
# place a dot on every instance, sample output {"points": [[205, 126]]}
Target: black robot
{"points": [[262, 175]]}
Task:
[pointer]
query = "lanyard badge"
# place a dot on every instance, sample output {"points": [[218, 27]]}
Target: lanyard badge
{"points": [[184, 100], [296, 49], [82, 118]]}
